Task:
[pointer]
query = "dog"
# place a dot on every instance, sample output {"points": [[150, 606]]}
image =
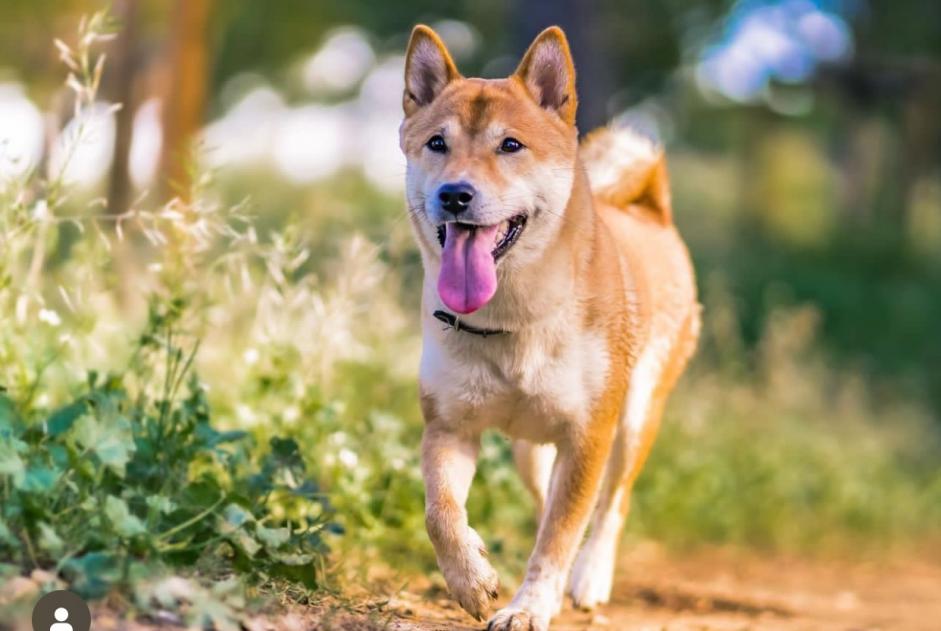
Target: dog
{"points": [[558, 305]]}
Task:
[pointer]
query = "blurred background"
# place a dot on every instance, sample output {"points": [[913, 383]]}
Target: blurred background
{"points": [[804, 144]]}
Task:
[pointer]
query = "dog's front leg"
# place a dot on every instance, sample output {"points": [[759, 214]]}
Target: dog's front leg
{"points": [[448, 464], [575, 479]]}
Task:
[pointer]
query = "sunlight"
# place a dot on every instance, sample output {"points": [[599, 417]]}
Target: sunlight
{"points": [[83, 151], [21, 131]]}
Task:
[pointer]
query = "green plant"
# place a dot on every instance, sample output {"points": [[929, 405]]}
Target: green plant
{"points": [[118, 485]]}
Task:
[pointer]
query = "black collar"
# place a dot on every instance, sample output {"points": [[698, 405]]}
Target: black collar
{"points": [[454, 323]]}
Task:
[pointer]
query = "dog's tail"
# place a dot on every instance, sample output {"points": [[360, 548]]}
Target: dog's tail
{"points": [[628, 171]]}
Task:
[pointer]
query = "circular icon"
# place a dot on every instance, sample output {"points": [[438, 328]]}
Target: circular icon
{"points": [[61, 611]]}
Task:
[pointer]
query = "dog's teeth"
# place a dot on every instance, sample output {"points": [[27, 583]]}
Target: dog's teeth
{"points": [[503, 231]]}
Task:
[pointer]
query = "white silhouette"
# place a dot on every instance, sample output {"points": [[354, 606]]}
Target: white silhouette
{"points": [[61, 614]]}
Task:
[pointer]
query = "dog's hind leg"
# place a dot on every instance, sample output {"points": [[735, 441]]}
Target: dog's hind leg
{"points": [[534, 463]]}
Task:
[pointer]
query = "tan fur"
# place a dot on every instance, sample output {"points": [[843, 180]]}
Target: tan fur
{"points": [[598, 301]]}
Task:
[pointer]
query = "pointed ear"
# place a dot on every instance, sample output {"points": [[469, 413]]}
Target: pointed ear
{"points": [[548, 73], [428, 69]]}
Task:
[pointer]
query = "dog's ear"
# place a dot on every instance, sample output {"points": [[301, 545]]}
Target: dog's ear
{"points": [[548, 73], [428, 69]]}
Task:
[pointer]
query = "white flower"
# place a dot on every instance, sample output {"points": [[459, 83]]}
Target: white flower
{"points": [[41, 211], [245, 414], [348, 458], [22, 303], [250, 356], [291, 413], [50, 317]]}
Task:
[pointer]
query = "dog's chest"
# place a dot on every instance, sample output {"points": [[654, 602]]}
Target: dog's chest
{"points": [[526, 387]]}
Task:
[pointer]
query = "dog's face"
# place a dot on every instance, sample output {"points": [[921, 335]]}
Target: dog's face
{"points": [[490, 163]]}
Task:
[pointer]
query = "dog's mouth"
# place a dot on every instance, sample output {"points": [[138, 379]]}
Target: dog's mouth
{"points": [[469, 253], [507, 234]]}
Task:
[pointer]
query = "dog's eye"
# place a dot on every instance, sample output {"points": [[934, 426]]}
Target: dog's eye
{"points": [[436, 143], [510, 145]]}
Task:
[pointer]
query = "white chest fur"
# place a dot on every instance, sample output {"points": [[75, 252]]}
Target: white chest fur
{"points": [[530, 385]]}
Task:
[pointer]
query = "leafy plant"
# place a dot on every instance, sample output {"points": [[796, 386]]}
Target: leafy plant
{"points": [[118, 483]]}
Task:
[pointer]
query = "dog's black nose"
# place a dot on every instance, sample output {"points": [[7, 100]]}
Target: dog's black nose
{"points": [[456, 198]]}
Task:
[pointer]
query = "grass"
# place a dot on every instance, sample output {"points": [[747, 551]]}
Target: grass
{"points": [[790, 456], [190, 393]]}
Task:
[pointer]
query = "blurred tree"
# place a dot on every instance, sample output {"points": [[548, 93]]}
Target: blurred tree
{"points": [[582, 21], [26, 31], [268, 38], [265, 37], [892, 83], [625, 50], [119, 88], [184, 102]]}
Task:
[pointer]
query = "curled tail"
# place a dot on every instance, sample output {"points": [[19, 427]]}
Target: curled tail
{"points": [[628, 171]]}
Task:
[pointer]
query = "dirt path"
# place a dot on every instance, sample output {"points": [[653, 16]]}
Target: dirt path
{"points": [[714, 591], [733, 591]]}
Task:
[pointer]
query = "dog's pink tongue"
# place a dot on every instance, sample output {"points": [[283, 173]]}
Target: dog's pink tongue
{"points": [[468, 277]]}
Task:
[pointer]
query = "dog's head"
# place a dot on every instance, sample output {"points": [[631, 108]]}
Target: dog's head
{"points": [[490, 162]]}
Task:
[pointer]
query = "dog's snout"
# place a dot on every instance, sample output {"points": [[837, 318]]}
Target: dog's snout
{"points": [[456, 198]]}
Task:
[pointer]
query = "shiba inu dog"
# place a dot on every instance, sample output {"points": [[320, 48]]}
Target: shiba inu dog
{"points": [[559, 306]]}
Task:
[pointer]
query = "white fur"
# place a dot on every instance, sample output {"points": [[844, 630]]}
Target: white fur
{"points": [[538, 599], [608, 156], [593, 570], [468, 574], [557, 378], [644, 380], [534, 463]]}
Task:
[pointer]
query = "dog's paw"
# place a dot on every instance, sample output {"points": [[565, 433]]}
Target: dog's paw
{"points": [[517, 619], [471, 579], [590, 582]]}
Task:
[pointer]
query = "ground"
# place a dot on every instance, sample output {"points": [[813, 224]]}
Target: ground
{"points": [[718, 590], [723, 590]]}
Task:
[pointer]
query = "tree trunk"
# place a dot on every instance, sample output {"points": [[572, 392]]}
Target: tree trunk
{"points": [[185, 93], [120, 89]]}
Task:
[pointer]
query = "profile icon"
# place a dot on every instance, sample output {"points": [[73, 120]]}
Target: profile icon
{"points": [[61, 610], [61, 614]]}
